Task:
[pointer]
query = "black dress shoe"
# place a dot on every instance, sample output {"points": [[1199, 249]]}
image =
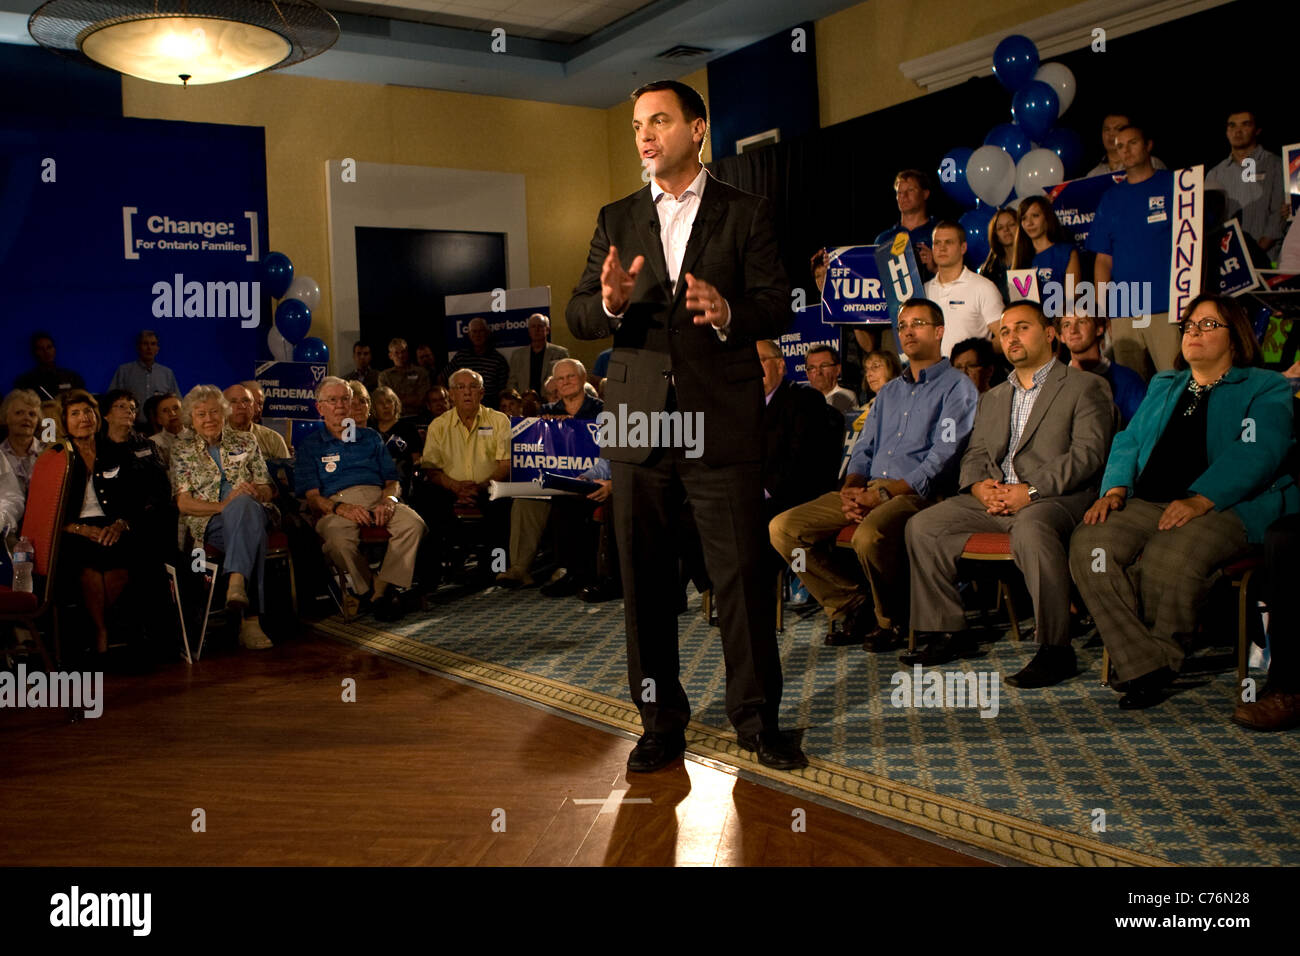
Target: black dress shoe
{"points": [[597, 593], [775, 750], [882, 639], [941, 649], [566, 585], [388, 607], [1052, 664], [840, 634], [1147, 690], [655, 751]]}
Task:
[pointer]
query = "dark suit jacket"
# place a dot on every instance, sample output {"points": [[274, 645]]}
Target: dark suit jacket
{"points": [[733, 246], [1064, 444], [804, 441]]}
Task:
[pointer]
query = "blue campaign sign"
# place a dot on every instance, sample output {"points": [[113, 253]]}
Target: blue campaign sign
{"points": [[565, 446], [807, 330], [1236, 271], [290, 389], [105, 232], [865, 285], [505, 311], [1075, 202]]}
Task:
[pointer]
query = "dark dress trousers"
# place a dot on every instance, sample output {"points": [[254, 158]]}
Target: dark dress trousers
{"points": [[662, 361]]}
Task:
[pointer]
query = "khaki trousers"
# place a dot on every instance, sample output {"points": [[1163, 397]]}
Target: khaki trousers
{"points": [[1146, 347], [342, 537]]}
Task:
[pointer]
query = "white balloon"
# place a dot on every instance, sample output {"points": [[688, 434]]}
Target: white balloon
{"points": [[305, 290], [1038, 170], [991, 172], [1059, 78], [281, 348]]}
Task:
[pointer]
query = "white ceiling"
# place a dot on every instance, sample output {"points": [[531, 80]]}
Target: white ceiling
{"points": [[579, 52]]}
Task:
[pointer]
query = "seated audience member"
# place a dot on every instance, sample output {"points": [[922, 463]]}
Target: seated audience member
{"points": [[411, 383], [971, 304], [271, 443], [464, 451], [21, 414], [46, 379], [259, 399], [878, 368], [532, 366], [528, 517], [803, 438], [904, 460], [1083, 336], [1112, 161], [400, 435], [1198, 476], [1257, 200], [480, 356], [512, 405], [359, 409], [912, 191], [221, 484], [1031, 471], [976, 358], [1043, 245], [550, 393], [142, 461], [427, 359], [822, 366], [436, 403], [145, 376], [530, 404], [361, 371], [164, 415], [354, 484], [101, 542], [1278, 707], [1002, 240]]}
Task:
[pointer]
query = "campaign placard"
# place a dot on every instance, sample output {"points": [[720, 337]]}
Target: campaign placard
{"points": [[1023, 284], [565, 446], [505, 311], [1185, 261], [807, 330], [290, 389], [1291, 167], [1075, 202], [866, 285], [1236, 273]]}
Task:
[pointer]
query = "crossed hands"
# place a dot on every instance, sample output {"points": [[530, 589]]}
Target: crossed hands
{"points": [[1000, 498]]}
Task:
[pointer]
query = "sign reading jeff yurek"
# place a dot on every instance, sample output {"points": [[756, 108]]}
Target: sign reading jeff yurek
{"points": [[866, 285]]}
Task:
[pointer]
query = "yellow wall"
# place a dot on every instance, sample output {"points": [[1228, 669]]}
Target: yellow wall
{"points": [[561, 151], [859, 49]]}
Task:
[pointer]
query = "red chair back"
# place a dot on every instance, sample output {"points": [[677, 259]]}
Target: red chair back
{"points": [[45, 495]]}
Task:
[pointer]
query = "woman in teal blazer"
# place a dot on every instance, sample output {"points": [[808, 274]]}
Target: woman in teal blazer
{"points": [[1196, 478]]}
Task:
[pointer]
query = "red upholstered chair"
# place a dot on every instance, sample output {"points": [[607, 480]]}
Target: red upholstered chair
{"points": [[45, 497]]}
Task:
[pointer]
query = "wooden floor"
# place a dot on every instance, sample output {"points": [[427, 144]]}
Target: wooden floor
{"points": [[418, 771]]}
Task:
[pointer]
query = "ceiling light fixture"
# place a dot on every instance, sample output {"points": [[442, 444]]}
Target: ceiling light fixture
{"points": [[185, 42]]}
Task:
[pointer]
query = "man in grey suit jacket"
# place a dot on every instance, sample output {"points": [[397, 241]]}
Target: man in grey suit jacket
{"points": [[685, 274], [1031, 470], [545, 354]]}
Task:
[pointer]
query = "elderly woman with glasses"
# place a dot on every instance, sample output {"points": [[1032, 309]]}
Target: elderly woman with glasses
{"points": [[221, 484], [1197, 476]]}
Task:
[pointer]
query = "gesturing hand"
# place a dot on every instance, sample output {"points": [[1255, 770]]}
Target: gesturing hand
{"points": [[616, 282], [703, 297]]}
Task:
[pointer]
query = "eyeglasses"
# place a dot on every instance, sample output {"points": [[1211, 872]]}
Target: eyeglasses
{"points": [[464, 388], [1205, 325], [822, 368], [914, 324], [336, 400]]}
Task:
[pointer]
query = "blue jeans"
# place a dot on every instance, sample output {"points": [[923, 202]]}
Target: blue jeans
{"points": [[240, 532]]}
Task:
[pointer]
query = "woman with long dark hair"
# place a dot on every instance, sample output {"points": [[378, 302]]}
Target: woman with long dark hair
{"points": [[1042, 244], [1002, 240]]}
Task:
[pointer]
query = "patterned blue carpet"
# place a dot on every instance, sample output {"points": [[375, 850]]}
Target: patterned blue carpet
{"points": [[1059, 775]]}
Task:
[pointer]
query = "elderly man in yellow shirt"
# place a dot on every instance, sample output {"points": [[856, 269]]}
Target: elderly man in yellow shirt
{"points": [[467, 447]]}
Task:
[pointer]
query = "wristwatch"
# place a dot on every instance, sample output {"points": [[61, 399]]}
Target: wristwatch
{"points": [[394, 499], [883, 492], [1033, 493]]}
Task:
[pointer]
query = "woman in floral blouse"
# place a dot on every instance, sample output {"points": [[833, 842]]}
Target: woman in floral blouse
{"points": [[221, 483]]}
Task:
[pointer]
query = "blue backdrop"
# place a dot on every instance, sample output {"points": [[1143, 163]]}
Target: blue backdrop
{"points": [[99, 211]]}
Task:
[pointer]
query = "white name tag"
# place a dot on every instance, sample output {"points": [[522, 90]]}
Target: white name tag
{"points": [[143, 452], [113, 473]]}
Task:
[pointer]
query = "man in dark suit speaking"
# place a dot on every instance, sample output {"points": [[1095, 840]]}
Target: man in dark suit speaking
{"points": [[686, 276]]}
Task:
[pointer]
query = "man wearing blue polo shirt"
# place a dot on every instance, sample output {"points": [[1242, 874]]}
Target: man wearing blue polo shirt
{"points": [[348, 477], [912, 190], [1132, 235]]}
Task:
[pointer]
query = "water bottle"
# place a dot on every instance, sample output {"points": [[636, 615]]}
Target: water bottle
{"points": [[23, 556]]}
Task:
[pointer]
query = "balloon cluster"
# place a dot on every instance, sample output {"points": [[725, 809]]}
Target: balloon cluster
{"points": [[1026, 156], [287, 338]]}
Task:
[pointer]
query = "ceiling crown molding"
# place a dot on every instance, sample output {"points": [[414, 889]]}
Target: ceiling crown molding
{"points": [[1056, 33]]}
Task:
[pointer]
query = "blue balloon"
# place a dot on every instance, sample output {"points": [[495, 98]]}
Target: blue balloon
{"points": [[1036, 108], [1010, 137], [277, 273], [952, 176], [311, 350], [293, 319], [1015, 61], [976, 224], [1065, 142]]}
